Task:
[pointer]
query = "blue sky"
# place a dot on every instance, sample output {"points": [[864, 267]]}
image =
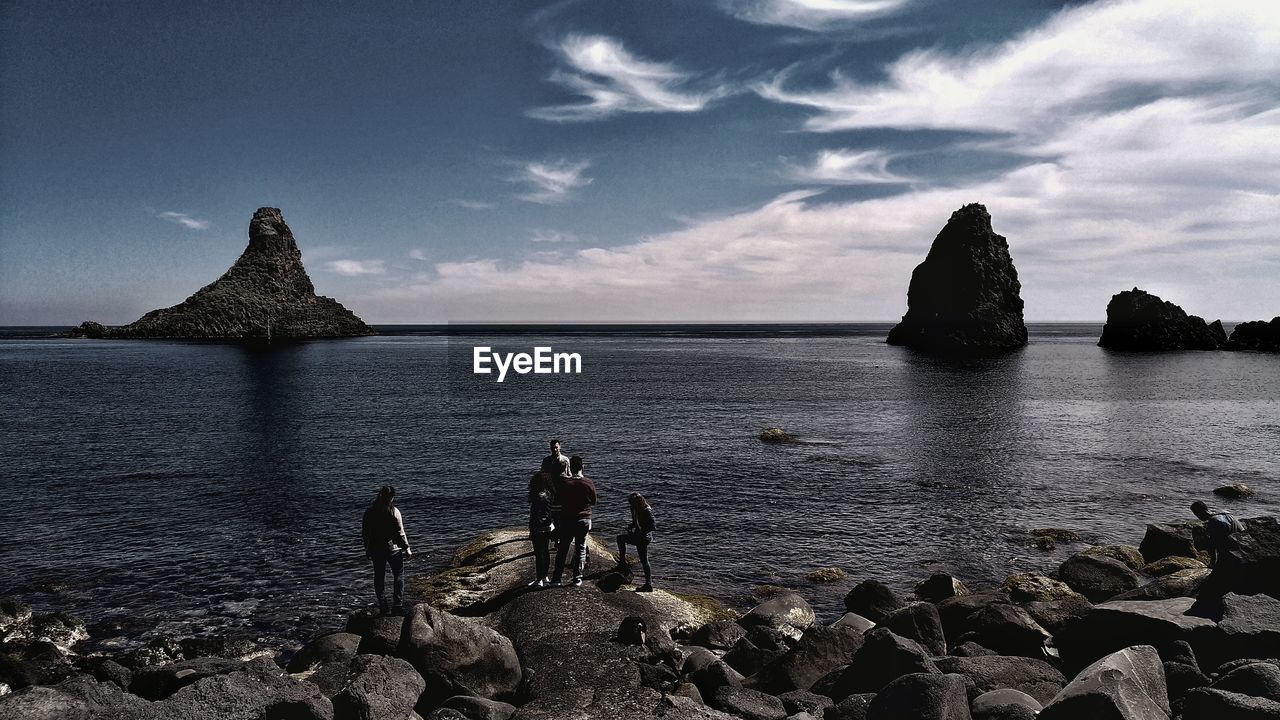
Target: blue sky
{"points": [[754, 160]]}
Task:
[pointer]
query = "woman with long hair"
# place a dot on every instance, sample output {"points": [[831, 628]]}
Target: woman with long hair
{"points": [[639, 533], [541, 526], [386, 544]]}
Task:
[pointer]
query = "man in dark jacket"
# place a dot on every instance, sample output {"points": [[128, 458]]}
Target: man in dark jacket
{"points": [[576, 496], [555, 464]]}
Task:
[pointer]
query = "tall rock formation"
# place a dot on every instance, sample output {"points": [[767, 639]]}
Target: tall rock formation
{"points": [[964, 298], [265, 294], [1138, 320], [1256, 335]]}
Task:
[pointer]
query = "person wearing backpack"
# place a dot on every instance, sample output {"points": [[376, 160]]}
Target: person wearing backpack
{"points": [[386, 544], [541, 527], [1220, 525], [639, 533]]}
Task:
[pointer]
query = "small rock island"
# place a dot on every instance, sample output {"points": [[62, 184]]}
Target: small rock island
{"points": [[266, 295], [1138, 320], [964, 299]]}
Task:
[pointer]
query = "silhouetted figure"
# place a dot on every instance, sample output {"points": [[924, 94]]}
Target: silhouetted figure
{"points": [[1220, 526], [576, 495], [541, 526], [555, 464], [639, 533], [386, 544]]}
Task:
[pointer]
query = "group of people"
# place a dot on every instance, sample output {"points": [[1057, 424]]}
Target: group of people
{"points": [[561, 501]]}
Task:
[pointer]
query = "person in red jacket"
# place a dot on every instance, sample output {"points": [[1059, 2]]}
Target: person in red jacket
{"points": [[576, 496]]}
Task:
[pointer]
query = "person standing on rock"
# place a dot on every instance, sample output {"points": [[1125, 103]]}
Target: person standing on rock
{"points": [[541, 527], [386, 544], [577, 496], [555, 464], [639, 533]]}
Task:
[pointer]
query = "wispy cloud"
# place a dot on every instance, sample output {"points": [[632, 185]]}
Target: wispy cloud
{"points": [[474, 204], [613, 80], [356, 268], [417, 254], [184, 220], [552, 182], [554, 236], [810, 14], [846, 167]]}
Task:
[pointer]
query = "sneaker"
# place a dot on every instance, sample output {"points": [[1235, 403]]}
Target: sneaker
{"points": [[645, 588], [554, 583], [538, 583], [577, 582]]}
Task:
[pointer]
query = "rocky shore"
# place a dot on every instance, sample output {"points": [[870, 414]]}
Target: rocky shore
{"points": [[1115, 632]]}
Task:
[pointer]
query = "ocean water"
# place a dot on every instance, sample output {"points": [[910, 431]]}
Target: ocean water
{"points": [[187, 488]]}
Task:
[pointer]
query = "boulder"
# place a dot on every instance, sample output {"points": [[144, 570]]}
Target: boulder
{"points": [[698, 658], [1183, 583], [1036, 678], [919, 622], [1256, 335], [785, 612], [1259, 679], [474, 708], [955, 612], [1172, 564], [718, 635], [1254, 565], [1138, 320], [105, 669], [334, 647], [854, 707], [1097, 577], [1007, 629], [1250, 628], [872, 600], [458, 656], [969, 648], [749, 704], [13, 612], [884, 656], [854, 620], [1235, 490], [1214, 704], [379, 634], [37, 662], [939, 587], [1128, 555], [611, 582], [266, 294], [1128, 685], [1054, 615], [258, 690], [965, 297], [819, 651], [1119, 624], [798, 701], [767, 638], [77, 698], [1180, 678], [61, 629], [715, 676], [748, 659], [379, 687], [922, 696], [160, 681], [1004, 704], [1034, 587], [1163, 540]]}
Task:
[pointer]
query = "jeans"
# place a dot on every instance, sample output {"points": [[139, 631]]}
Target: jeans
{"points": [[577, 532], [541, 552], [641, 541], [382, 558]]}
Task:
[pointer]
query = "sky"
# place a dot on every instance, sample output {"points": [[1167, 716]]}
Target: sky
{"points": [[659, 161]]}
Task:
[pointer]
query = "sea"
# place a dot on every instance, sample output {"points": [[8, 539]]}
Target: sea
{"points": [[158, 488]]}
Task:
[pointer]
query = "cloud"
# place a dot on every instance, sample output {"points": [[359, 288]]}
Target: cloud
{"points": [[846, 167], [355, 268], [554, 236], [810, 14], [552, 182], [613, 81], [417, 254], [474, 204], [1147, 132], [184, 220]]}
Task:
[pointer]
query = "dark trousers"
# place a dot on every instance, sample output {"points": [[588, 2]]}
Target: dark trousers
{"points": [[641, 541], [575, 532], [541, 552], [381, 559]]}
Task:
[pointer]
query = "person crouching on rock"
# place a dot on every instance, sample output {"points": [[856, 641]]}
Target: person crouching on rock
{"points": [[1220, 525], [541, 526], [386, 544], [577, 496], [640, 534]]}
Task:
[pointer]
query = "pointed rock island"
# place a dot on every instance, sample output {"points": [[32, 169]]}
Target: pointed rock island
{"points": [[266, 294], [964, 299]]}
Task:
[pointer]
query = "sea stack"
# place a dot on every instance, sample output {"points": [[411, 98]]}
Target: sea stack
{"points": [[964, 298], [1256, 335], [1138, 320], [266, 294]]}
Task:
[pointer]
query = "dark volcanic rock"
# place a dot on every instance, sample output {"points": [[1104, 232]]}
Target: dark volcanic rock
{"points": [[718, 635], [747, 659], [1255, 561], [883, 657], [1127, 684], [1097, 577], [1256, 335], [266, 293], [1214, 704], [1164, 540], [919, 622], [872, 600], [939, 587], [1005, 704], [749, 704], [1007, 629], [821, 650], [334, 647], [964, 298], [458, 656], [1036, 678], [380, 687], [1138, 320], [78, 698], [786, 612], [922, 697]]}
